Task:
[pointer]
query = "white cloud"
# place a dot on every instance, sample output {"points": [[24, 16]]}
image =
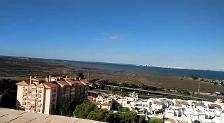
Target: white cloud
{"points": [[115, 37], [112, 36]]}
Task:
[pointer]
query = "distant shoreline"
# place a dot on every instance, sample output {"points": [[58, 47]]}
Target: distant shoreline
{"points": [[181, 72]]}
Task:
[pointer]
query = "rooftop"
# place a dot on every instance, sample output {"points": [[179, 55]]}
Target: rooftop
{"points": [[52, 82], [17, 116]]}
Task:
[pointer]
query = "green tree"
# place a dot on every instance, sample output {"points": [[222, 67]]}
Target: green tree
{"points": [[127, 117], [8, 93], [112, 117], [63, 109], [124, 109], [98, 114], [80, 75], [90, 111], [83, 110], [8, 99], [155, 120], [141, 119]]}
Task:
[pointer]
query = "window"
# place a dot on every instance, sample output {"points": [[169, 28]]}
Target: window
{"points": [[53, 95], [53, 100], [33, 89], [39, 96], [53, 90]]}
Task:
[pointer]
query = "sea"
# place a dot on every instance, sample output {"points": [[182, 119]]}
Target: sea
{"points": [[208, 74]]}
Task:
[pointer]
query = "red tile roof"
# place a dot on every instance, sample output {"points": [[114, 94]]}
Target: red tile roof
{"points": [[23, 83], [62, 83], [84, 81], [50, 85], [91, 98], [41, 85], [72, 81]]}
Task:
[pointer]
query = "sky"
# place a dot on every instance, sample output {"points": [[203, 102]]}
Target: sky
{"points": [[175, 33]]}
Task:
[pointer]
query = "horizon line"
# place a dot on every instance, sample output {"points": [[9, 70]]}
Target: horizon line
{"points": [[142, 65]]}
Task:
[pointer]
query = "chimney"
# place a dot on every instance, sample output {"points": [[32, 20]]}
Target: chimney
{"points": [[49, 78], [30, 80]]}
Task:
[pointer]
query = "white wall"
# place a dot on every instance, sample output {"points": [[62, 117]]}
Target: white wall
{"points": [[47, 101], [19, 96]]}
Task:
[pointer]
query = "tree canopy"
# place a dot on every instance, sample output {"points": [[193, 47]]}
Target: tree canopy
{"points": [[83, 110], [155, 120], [91, 111]]}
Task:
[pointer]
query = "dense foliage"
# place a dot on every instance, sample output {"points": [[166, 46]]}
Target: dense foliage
{"points": [[83, 110], [98, 114], [7, 93], [79, 75], [155, 120]]}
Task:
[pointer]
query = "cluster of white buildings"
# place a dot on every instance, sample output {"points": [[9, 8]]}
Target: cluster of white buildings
{"points": [[172, 110]]}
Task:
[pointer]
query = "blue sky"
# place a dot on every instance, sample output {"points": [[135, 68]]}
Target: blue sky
{"points": [[179, 33]]}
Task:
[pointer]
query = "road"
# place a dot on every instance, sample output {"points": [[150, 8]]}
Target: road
{"points": [[165, 94]]}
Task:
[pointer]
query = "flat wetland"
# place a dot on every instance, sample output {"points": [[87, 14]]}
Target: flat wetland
{"points": [[19, 68]]}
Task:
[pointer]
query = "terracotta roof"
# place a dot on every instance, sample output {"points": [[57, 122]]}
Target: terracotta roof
{"points": [[215, 106], [180, 103], [23, 83], [90, 98], [200, 104], [40, 85], [72, 81], [157, 102], [166, 101], [103, 104], [85, 81], [62, 83], [50, 85], [33, 84]]}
